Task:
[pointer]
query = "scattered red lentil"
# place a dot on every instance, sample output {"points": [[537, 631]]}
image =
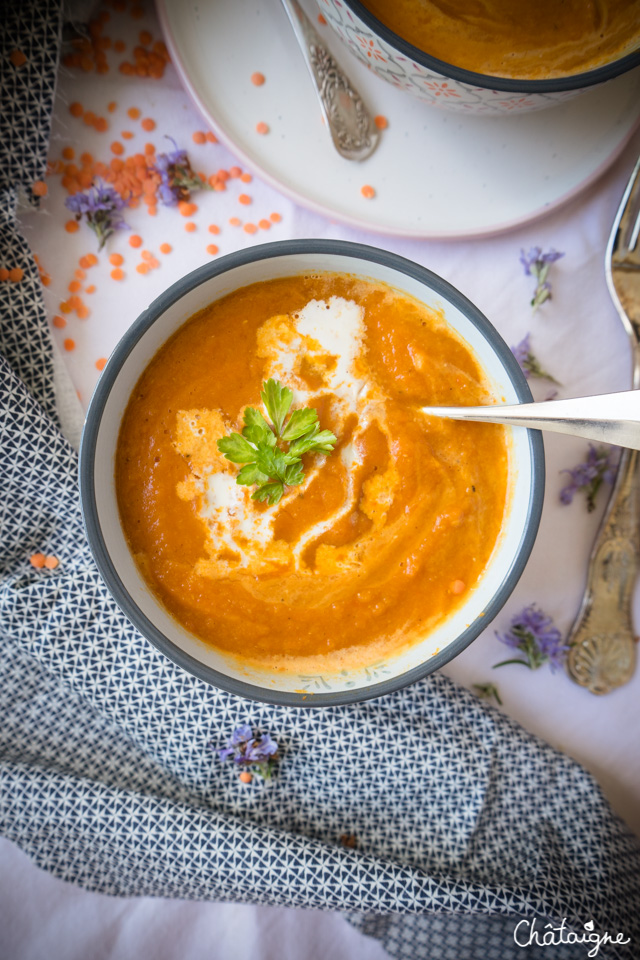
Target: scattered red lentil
{"points": [[190, 227], [146, 255], [101, 125], [145, 38], [165, 248], [83, 311], [211, 137], [39, 188], [244, 199], [235, 221], [134, 113], [262, 127], [116, 259], [275, 217], [214, 228], [148, 124], [69, 344], [119, 46], [235, 172], [90, 289], [135, 240], [68, 153], [381, 122], [17, 58], [101, 363], [367, 191], [51, 562], [4, 274], [199, 137], [117, 148], [250, 228], [16, 274], [117, 274], [112, 106], [76, 109], [127, 135], [75, 286], [59, 322], [321, 20], [246, 177], [187, 209], [245, 776], [37, 560], [257, 79], [143, 268], [212, 249], [265, 224]]}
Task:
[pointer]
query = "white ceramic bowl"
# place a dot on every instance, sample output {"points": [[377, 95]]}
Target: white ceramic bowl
{"points": [[98, 493], [445, 85]]}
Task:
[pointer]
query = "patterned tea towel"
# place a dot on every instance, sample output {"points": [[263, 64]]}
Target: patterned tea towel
{"points": [[467, 835]]}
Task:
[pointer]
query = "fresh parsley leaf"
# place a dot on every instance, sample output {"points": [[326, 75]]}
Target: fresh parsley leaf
{"points": [[271, 492], [237, 449], [300, 421], [277, 400], [256, 428], [251, 474], [260, 447], [315, 441], [294, 475]]}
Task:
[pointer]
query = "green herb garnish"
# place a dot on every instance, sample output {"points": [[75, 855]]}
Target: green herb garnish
{"points": [[261, 445]]}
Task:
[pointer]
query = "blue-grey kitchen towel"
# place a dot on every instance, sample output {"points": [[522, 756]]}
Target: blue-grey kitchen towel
{"points": [[466, 825]]}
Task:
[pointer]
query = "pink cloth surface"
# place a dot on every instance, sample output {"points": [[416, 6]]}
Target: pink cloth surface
{"points": [[577, 336]]}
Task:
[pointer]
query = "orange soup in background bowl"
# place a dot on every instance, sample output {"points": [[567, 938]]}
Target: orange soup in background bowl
{"points": [[365, 563], [490, 56]]}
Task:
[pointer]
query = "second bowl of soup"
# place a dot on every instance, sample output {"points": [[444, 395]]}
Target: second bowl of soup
{"points": [[495, 57]]}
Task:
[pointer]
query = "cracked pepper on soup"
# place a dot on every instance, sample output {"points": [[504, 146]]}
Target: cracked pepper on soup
{"points": [[382, 539], [516, 38]]}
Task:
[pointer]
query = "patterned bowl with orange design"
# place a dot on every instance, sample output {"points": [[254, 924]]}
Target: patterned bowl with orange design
{"points": [[444, 85]]}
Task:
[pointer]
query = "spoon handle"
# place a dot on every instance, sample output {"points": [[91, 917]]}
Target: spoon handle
{"points": [[602, 652], [352, 129], [608, 418]]}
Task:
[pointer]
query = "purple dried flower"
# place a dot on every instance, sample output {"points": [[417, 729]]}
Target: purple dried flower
{"points": [[529, 363], [532, 632], [251, 752], [177, 176], [101, 206], [597, 469], [536, 264]]}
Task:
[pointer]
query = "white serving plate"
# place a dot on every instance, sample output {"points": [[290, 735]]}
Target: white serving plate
{"points": [[436, 174]]}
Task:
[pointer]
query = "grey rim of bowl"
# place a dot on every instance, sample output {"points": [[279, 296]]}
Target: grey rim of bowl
{"points": [[87, 469], [575, 81]]}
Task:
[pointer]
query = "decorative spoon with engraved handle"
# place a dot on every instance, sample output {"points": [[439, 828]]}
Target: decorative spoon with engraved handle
{"points": [[352, 128]]}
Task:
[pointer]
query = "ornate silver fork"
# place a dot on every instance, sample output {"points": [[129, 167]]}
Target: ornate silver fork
{"points": [[602, 652]]}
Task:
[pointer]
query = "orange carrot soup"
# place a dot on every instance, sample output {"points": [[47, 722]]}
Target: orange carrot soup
{"points": [[367, 546], [516, 38]]}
